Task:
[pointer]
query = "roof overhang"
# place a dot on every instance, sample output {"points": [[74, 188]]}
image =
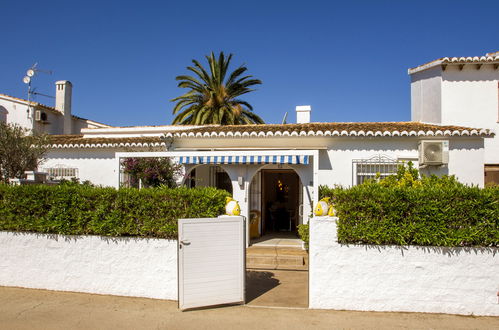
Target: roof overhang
{"points": [[494, 59]]}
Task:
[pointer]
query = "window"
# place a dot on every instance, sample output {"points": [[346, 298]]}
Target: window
{"points": [[368, 168], [3, 114], [220, 179], [58, 173]]}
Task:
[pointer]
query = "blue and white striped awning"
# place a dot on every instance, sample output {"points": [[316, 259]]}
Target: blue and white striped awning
{"points": [[269, 159]]}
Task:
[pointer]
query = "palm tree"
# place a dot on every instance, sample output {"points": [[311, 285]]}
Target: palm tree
{"points": [[214, 97]]}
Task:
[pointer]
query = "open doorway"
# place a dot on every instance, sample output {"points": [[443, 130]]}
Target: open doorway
{"points": [[280, 201], [276, 263], [275, 201]]}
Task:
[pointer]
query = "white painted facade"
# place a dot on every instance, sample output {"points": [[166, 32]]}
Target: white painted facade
{"points": [[394, 278], [125, 266], [331, 160], [459, 92]]}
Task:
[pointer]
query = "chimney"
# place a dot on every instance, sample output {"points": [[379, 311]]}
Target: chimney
{"points": [[63, 91], [303, 114]]}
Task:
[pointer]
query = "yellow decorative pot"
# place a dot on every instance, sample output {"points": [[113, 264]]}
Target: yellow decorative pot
{"points": [[232, 207], [322, 207]]}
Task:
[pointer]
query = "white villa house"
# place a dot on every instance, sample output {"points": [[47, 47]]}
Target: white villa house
{"points": [[276, 170]]}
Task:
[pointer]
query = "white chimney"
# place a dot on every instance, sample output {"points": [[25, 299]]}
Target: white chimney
{"points": [[303, 114], [63, 91]]}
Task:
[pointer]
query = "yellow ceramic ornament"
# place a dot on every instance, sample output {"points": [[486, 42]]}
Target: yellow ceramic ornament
{"points": [[232, 207], [332, 211], [322, 207]]}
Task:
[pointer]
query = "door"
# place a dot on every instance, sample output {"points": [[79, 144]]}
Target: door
{"points": [[281, 200], [211, 261]]}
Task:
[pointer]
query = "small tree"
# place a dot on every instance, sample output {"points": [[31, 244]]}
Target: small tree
{"points": [[20, 151], [152, 172]]}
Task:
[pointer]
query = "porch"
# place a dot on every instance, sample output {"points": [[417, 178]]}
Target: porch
{"points": [[275, 188]]}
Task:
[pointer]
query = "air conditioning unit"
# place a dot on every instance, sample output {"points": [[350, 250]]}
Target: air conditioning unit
{"points": [[433, 152]]}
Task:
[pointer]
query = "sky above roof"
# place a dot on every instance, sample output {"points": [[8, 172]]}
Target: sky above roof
{"points": [[348, 59]]}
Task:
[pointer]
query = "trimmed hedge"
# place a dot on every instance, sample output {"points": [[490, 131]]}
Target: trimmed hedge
{"points": [[87, 210], [435, 212]]}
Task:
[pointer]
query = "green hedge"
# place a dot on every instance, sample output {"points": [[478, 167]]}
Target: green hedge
{"points": [[434, 212], [87, 210]]}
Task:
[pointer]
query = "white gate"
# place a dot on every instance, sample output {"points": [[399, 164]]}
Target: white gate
{"points": [[211, 261]]}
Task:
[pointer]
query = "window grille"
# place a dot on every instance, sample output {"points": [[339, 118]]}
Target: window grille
{"points": [[58, 173], [369, 168]]}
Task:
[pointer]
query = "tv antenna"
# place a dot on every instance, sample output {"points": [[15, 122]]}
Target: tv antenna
{"points": [[31, 73], [284, 118]]}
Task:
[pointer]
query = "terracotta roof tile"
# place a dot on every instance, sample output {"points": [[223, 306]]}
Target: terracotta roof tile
{"points": [[276, 130], [490, 58], [352, 126], [80, 140]]}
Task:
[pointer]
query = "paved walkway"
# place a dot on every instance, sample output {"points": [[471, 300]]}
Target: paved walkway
{"points": [[277, 288], [40, 309]]}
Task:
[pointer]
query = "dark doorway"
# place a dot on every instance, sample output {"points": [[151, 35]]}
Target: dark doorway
{"points": [[280, 201]]}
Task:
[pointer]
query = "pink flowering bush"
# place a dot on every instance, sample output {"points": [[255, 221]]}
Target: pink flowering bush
{"points": [[153, 172]]}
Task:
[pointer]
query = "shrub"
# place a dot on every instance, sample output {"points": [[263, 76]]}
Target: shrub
{"points": [[86, 210], [153, 172], [303, 232], [430, 211]]}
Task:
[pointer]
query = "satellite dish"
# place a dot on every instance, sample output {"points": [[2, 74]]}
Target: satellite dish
{"points": [[30, 73], [26, 80]]}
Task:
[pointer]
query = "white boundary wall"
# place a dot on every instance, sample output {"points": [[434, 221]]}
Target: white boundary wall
{"points": [[394, 278], [125, 266]]}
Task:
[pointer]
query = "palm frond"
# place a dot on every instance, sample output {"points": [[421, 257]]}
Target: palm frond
{"points": [[212, 97]]}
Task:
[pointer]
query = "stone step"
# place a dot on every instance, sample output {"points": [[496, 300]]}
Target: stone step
{"points": [[276, 258]]}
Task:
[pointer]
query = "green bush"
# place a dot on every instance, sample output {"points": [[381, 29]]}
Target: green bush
{"points": [[86, 210], [430, 211], [303, 232]]}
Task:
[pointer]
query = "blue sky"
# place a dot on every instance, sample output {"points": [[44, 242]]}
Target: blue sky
{"points": [[347, 59]]}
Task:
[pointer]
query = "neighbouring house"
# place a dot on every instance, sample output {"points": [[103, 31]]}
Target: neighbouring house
{"points": [[460, 91], [41, 118]]}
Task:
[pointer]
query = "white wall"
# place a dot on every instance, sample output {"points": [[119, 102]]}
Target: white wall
{"points": [[464, 97], [393, 278], [126, 266], [16, 113], [471, 98], [335, 166], [96, 165], [426, 96]]}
